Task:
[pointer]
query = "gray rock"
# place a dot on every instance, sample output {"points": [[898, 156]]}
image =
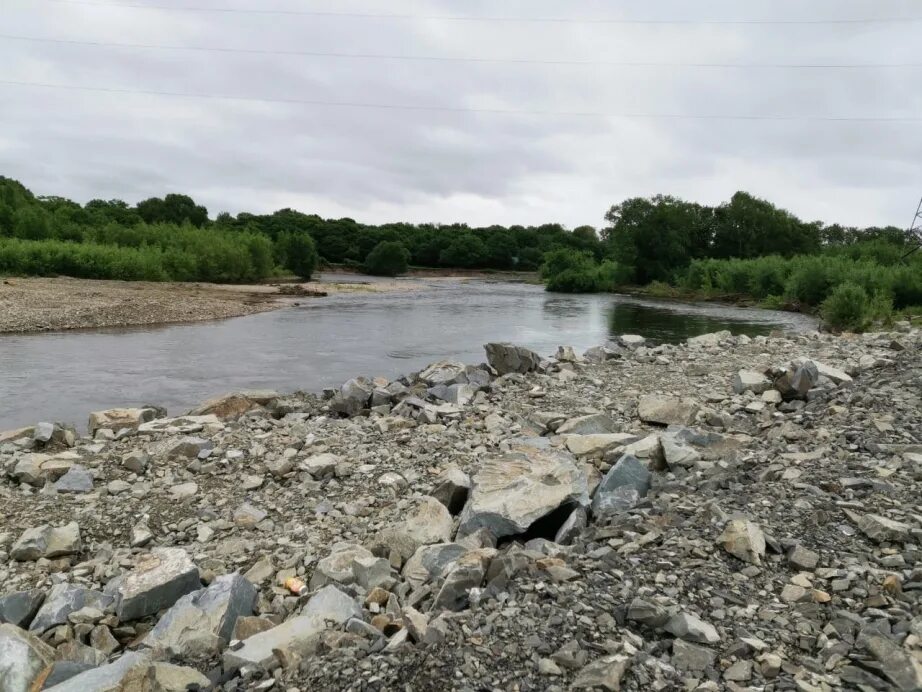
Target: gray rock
{"points": [[136, 462], [691, 657], [77, 480], [594, 424], [459, 394], [64, 599], [897, 664], [430, 562], [506, 358], [370, 572], [337, 566], [425, 522], [444, 372], [512, 492], [48, 542], [572, 527], [61, 671], [452, 489], [466, 574], [605, 673], [327, 606], [667, 410], [646, 613], [201, 623], [106, 678], [23, 657], [614, 493], [797, 380], [750, 381], [880, 529], [692, 628], [631, 341], [803, 558], [160, 578], [183, 448], [18, 608], [353, 397]]}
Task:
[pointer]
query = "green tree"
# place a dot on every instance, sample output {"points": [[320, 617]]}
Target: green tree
{"points": [[387, 258], [173, 209], [31, 223], [297, 253], [465, 251]]}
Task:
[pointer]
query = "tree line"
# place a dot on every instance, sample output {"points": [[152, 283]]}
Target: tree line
{"points": [[173, 238]]}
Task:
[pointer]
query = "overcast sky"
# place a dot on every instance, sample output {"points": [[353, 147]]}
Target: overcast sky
{"points": [[376, 164]]}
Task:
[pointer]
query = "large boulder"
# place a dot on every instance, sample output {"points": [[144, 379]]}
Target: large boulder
{"points": [[353, 397], [513, 491], [667, 410], [234, 404], [116, 419], [160, 578], [620, 489], [797, 379], [64, 599], [48, 542], [294, 636], [23, 658], [19, 607], [201, 624], [506, 358], [445, 372], [594, 424], [425, 522]]}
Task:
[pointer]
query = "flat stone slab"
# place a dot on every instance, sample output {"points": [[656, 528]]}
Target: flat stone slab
{"points": [[161, 578]]}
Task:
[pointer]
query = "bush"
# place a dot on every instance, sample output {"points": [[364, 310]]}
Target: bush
{"points": [[388, 258], [847, 307], [297, 253]]}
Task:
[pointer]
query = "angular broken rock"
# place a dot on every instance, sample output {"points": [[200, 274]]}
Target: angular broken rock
{"points": [[667, 410], [466, 574], [594, 424], [353, 397], [691, 657], [880, 529], [201, 623], [750, 381], [77, 480], [116, 419], [444, 372], [234, 404], [744, 539], [692, 628], [106, 678], [512, 492], [430, 562], [64, 599], [452, 490], [427, 521], [48, 542], [507, 358], [337, 566], [605, 673], [328, 606], [23, 658], [18, 608], [625, 483], [160, 578]]}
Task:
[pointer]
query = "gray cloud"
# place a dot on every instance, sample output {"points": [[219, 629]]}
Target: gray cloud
{"points": [[428, 165]]}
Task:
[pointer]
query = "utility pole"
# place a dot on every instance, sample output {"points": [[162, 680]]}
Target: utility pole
{"points": [[915, 231]]}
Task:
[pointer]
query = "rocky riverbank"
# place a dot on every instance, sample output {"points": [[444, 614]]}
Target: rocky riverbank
{"points": [[729, 513]]}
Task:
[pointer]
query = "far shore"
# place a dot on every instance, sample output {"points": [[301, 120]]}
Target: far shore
{"points": [[42, 304]]}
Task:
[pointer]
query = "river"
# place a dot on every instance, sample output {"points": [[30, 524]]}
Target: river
{"points": [[322, 342]]}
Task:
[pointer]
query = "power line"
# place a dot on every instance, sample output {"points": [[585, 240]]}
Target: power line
{"points": [[505, 19], [454, 59], [463, 109]]}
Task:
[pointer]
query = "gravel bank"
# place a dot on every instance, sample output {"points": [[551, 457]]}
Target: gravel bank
{"points": [[727, 514], [54, 304]]}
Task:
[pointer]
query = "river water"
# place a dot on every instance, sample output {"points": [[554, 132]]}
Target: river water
{"points": [[322, 342]]}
